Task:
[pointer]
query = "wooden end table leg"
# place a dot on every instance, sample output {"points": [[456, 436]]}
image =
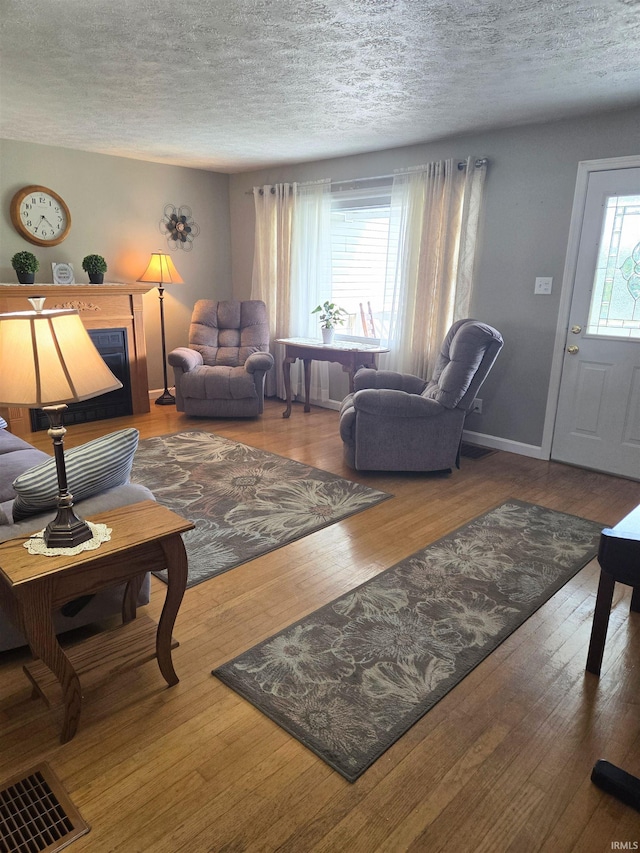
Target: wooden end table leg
{"points": [[601, 613], [307, 383], [130, 600], [176, 564], [37, 624], [286, 372]]}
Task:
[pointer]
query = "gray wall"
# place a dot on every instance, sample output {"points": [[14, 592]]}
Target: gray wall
{"points": [[116, 205], [525, 225]]}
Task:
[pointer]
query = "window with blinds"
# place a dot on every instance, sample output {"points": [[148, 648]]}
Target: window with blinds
{"points": [[361, 249]]}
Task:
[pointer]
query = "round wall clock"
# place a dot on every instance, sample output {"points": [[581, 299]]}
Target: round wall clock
{"points": [[40, 216]]}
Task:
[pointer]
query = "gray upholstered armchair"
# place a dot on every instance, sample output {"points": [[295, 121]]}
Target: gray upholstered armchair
{"points": [[221, 373], [399, 422]]}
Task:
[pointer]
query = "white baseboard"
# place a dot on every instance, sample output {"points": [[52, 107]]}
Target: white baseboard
{"points": [[154, 393], [507, 444]]}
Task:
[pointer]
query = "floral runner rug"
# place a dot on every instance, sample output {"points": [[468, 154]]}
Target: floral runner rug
{"points": [[243, 501], [349, 679]]}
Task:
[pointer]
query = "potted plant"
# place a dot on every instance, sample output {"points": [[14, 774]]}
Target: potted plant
{"points": [[96, 267], [26, 266], [330, 317]]}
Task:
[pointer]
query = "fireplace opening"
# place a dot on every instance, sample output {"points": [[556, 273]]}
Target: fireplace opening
{"points": [[112, 346]]}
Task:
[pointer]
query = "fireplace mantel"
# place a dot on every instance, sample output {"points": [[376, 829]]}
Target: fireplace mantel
{"points": [[101, 306]]}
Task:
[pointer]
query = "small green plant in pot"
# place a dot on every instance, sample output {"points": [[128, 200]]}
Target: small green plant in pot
{"points": [[26, 266], [330, 317], [96, 267]]}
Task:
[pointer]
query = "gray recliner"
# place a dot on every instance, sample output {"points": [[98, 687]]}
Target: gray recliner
{"points": [[399, 422], [221, 373]]}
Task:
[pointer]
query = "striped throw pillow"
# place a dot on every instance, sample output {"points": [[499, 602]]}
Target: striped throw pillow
{"points": [[93, 467]]}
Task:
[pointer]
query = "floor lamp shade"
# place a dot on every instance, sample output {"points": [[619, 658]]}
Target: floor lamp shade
{"points": [[161, 270], [47, 360]]}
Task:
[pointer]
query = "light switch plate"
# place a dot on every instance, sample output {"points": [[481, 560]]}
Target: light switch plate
{"points": [[543, 285]]}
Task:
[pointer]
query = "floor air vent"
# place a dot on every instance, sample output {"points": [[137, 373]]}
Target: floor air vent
{"points": [[474, 451], [36, 814]]}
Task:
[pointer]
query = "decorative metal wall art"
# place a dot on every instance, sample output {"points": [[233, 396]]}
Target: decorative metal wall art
{"points": [[179, 228]]}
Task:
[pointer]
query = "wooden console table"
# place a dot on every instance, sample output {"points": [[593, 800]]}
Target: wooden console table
{"points": [[144, 536], [350, 355], [101, 306]]}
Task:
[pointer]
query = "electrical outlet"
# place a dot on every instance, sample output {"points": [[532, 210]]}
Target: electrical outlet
{"points": [[477, 407], [543, 284]]}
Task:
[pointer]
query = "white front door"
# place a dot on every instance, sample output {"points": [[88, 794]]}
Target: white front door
{"points": [[598, 416]]}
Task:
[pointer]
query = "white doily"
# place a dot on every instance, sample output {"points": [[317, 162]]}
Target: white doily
{"points": [[101, 533]]}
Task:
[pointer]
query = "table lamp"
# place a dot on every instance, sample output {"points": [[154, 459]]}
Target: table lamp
{"points": [[49, 360], [161, 271]]}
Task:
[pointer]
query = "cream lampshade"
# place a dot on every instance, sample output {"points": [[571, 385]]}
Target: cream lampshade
{"points": [[49, 360], [161, 271]]}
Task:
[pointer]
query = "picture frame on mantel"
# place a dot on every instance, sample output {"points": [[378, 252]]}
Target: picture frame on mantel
{"points": [[63, 273]]}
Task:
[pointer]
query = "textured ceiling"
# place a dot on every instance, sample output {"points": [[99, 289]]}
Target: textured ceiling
{"points": [[232, 85]]}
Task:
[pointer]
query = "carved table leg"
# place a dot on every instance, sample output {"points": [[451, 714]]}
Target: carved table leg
{"points": [[176, 563], [307, 383], [286, 371], [38, 628], [130, 600]]}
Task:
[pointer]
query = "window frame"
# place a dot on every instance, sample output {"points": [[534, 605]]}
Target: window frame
{"points": [[370, 197]]}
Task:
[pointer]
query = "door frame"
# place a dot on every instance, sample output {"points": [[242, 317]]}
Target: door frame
{"points": [[585, 168]]}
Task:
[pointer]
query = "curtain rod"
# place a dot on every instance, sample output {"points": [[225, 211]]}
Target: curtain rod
{"points": [[483, 161]]}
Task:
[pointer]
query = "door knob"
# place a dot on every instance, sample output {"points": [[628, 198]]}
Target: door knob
{"points": [[573, 349], [575, 330]]}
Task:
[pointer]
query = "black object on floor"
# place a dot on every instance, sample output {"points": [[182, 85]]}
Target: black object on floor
{"points": [[617, 782]]}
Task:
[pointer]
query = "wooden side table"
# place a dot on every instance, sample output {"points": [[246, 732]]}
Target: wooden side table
{"points": [[145, 536], [350, 355]]}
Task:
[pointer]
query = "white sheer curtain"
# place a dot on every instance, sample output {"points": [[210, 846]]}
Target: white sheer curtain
{"points": [[311, 275], [433, 225], [292, 271], [271, 281]]}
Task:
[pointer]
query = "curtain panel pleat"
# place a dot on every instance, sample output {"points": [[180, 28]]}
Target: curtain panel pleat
{"points": [[435, 210], [292, 272], [271, 279]]}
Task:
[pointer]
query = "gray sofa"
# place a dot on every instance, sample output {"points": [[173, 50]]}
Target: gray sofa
{"points": [[400, 422], [221, 373], [16, 457]]}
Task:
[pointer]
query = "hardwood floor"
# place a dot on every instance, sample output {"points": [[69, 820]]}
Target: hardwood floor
{"points": [[502, 763]]}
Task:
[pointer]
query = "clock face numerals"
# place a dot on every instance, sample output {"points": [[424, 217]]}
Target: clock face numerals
{"points": [[40, 216], [43, 216]]}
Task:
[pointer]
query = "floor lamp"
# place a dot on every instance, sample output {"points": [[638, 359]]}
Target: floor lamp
{"points": [[161, 271], [49, 360]]}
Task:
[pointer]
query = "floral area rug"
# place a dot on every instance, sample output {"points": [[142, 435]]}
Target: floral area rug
{"points": [[351, 678], [243, 501]]}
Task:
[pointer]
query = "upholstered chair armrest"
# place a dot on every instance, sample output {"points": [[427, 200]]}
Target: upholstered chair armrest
{"points": [[368, 378], [347, 423], [395, 404], [185, 358], [258, 361]]}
